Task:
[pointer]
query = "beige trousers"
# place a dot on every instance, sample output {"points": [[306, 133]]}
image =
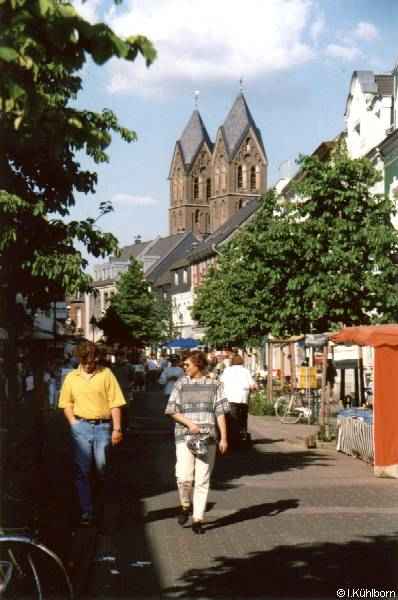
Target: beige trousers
{"points": [[193, 478]]}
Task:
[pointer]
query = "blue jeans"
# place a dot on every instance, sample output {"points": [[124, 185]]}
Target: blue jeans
{"points": [[90, 444]]}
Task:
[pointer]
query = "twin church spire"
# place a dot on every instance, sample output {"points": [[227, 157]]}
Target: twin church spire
{"points": [[209, 182]]}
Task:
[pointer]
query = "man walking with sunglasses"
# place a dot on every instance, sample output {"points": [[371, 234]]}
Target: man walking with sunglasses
{"points": [[92, 401]]}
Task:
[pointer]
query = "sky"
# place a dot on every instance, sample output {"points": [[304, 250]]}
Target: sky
{"points": [[295, 57]]}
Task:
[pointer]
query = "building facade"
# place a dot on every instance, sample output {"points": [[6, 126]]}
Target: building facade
{"points": [[209, 183]]}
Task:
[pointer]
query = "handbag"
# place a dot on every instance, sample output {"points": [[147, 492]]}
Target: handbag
{"points": [[198, 443]]}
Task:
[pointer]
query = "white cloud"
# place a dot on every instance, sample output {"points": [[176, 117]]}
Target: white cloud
{"points": [[88, 10], [212, 41], [347, 53], [129, 200], [366, 32], [317, 28]]}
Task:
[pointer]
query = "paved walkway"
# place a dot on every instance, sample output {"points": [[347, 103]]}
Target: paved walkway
{"points": [[283, 521]]}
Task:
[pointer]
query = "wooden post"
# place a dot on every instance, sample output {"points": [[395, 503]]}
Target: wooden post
{"points": [[323, 420], [269, 376], [282, 363], [293, 366]]}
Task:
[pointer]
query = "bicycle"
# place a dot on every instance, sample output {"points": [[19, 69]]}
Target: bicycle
{"points": [[19, 561], [297, 406]]}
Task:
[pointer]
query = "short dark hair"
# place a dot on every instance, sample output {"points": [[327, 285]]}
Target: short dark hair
{"points": [[237, 360], [197, 358], [87, 352]]}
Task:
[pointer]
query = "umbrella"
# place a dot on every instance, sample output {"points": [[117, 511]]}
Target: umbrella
{"points": [[183, 343]]}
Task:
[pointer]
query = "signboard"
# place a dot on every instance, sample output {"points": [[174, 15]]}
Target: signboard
{"points": [[307, 378]]}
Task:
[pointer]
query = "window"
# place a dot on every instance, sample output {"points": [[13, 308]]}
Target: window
{"points": [[185, 276], [217, 179], [208, 189], [176, 278], [248, 144], [240, 177], [195, 188], [253, 178]]}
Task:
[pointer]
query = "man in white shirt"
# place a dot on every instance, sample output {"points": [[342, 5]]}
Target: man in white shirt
{"points": [[238, 383]]}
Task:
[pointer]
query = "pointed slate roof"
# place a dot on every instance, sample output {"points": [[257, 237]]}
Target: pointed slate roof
{"points": [[237, 124], [192, 137]]}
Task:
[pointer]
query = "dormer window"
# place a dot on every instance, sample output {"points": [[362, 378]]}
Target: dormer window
{"points": [[208, 189]]}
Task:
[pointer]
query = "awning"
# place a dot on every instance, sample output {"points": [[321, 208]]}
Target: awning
{"points": [[183, 343]]}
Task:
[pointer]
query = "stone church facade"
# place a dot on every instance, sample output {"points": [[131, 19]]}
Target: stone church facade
{"points": [[210, 182]]}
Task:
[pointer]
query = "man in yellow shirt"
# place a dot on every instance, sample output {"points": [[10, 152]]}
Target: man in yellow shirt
{"points": [[92, 400]]}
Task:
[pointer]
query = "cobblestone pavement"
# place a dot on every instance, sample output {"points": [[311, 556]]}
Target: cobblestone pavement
{"points": [[282, 522]]}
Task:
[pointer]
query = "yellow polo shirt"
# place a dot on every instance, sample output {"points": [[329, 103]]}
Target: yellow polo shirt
{"points": [[91, 398]]}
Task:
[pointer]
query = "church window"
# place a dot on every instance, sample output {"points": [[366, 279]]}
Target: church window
{"points": [[248, 144], [253, 185], [208, 189], [195, 188], [197, 217], [240, 177]]}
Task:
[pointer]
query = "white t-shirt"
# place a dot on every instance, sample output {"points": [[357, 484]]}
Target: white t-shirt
{"points": [[237, 381], [152, 364]]}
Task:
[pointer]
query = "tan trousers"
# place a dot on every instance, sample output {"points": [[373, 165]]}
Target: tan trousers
{"points": [[193, 478]]}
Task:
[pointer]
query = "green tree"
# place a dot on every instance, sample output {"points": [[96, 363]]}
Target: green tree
{"points": [[44, 45], [312, 262], [135, 317]]}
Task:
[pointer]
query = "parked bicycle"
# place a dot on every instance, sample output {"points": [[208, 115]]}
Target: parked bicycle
{"points": [[298, 406], [22, 558]]}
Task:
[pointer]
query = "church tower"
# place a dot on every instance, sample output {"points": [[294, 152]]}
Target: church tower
{"points": [[239, 164], [209, 184], [190, 180]]}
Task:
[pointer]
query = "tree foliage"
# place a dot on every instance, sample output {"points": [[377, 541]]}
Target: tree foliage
{"points": [[135, 316], [320, 259], [43, 46]]}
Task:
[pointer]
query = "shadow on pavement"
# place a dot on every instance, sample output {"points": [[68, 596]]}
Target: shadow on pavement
{"points": [[254, 512], [297, 571]]}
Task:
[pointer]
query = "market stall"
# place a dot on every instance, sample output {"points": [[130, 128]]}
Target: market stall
{"points": [[384, 339]]}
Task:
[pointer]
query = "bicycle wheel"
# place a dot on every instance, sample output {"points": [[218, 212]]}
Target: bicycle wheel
{"points": [[287, 410]]}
